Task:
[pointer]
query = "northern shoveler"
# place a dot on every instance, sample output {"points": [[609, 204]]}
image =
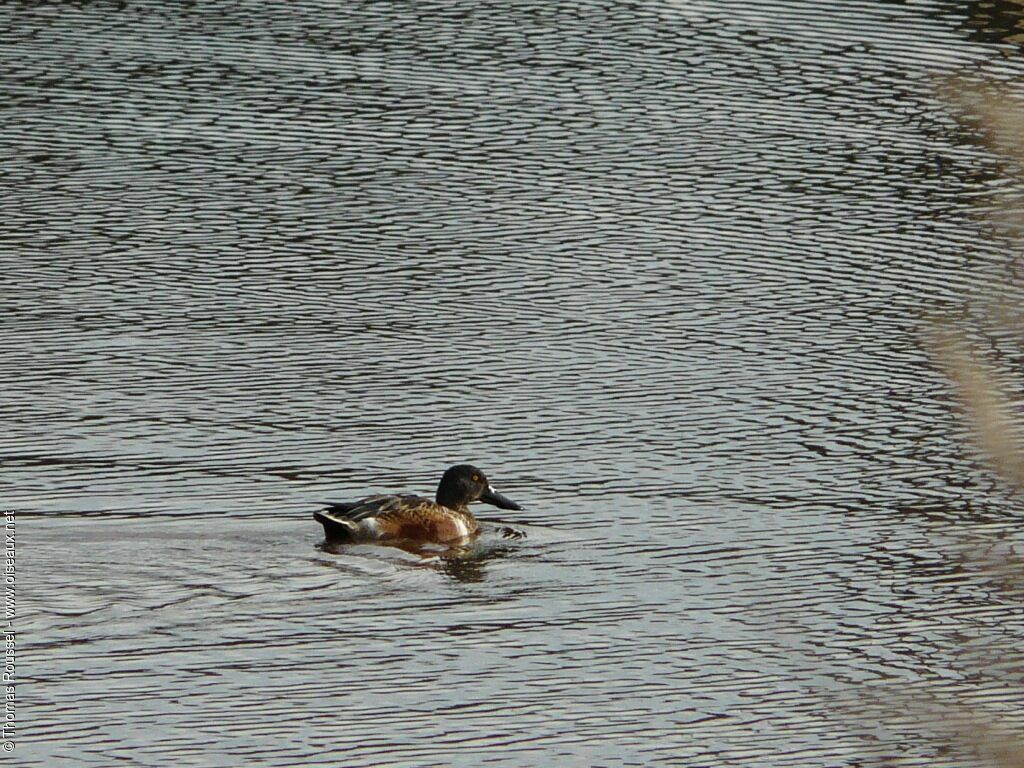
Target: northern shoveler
{"points": [[413, 517]]}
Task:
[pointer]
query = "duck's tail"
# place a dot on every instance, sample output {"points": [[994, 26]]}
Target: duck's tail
{"points": [[336, 526]]}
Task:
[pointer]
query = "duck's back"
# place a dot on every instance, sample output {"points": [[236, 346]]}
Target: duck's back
{"points": [[372, 506]]}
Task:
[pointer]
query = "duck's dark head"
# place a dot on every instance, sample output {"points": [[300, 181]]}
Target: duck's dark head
{"points": [[463, 484]]}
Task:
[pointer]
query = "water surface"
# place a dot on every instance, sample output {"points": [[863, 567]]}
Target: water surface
{"points": [[659, 268]]}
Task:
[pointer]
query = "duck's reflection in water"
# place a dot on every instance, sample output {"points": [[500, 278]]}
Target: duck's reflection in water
{"points": [[465, 562]]}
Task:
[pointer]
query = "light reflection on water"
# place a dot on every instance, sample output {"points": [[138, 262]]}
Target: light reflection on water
{"points": [[660, 269]]}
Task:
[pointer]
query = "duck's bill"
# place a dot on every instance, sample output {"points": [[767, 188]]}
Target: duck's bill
{"points": [[491, 496]]}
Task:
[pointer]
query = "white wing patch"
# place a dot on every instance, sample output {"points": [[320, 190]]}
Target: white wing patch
{"points": [[371, 526]]}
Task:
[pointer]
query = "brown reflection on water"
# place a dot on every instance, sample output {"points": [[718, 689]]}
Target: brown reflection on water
{"points": [[463, 561]]}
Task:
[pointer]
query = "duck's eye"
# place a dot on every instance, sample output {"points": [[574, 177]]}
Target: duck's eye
{"points": [[476, 478]]}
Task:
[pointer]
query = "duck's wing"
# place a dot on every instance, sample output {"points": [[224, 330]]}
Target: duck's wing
{"points": [[340, 508], [341, 520], [375, 506], [346, 508]]}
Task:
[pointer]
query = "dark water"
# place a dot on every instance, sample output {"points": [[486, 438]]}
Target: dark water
{"points": [[659, 268]]}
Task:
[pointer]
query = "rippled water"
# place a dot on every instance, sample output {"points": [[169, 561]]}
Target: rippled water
{"points": [[659, 268]]}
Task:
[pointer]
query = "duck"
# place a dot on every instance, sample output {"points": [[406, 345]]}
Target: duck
{"points": [[444, 520]]}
